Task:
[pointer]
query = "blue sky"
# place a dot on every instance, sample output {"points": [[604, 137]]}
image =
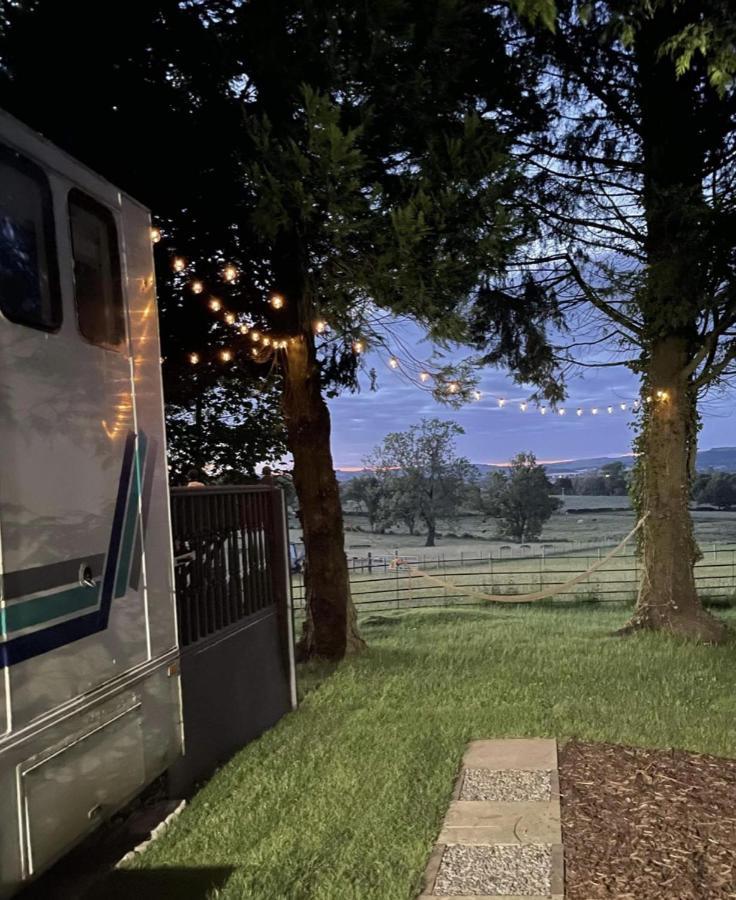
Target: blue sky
{"points": [[494, 434]]}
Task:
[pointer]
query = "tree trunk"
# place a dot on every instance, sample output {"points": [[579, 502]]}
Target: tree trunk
{"points": [[669, 304], [431, 533], [668, 600], [330, 630]]}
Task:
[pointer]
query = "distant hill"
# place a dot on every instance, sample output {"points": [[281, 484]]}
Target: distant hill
{"points": [[720, 458]]}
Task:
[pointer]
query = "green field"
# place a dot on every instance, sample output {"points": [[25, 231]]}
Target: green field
{"points": [[569, 531], [343, 799]]}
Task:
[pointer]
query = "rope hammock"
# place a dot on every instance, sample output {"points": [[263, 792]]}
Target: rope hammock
{"points": [[539, 595]]}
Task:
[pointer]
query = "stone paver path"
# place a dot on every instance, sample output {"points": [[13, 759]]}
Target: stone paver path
{"points": [[501, 837]]}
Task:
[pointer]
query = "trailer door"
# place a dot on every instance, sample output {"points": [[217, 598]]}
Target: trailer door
{"points": [[70, 459]]}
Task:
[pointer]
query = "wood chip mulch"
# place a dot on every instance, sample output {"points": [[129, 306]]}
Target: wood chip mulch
{"points": [[647, 824]]}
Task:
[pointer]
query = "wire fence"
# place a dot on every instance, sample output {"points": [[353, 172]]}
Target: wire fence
{"points": [[398, 582]]}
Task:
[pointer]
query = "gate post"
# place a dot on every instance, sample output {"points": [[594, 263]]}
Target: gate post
{"points": [[281, 581]]}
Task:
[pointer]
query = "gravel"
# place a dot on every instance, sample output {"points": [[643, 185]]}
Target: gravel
{"points": [[509, 785], [502, 869]]}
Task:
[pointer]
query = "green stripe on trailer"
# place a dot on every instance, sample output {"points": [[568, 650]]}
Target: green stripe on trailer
{"points": [[131, 518], [39, 610]]}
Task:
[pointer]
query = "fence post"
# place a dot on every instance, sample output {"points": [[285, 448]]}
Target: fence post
{"points": [[281, 580], [370, 562]]}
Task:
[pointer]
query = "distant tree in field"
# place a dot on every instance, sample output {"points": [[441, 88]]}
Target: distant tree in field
{"points": [[564, 484], [617, 479], [421, 469], [521, 501], [716, 489], [399, 503], [367, 491]]}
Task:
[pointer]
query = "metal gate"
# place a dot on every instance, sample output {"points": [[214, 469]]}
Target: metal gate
{"points": [[234, 617]]}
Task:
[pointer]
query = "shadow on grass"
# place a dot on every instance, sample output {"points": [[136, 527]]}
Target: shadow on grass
{"points": [[196, 883]]}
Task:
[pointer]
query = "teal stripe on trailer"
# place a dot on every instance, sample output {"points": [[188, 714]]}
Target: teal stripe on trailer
{"points": [[131, 517], [40, 610]]}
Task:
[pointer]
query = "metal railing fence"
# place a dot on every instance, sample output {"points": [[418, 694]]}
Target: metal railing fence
{"points": [[396, 582], [228, 555]]}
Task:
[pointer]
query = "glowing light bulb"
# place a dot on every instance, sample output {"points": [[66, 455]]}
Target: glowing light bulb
{"points": [[194, 358], [197, 287], [215, 305], [594, 411], [609, 410], [623, 406], [255, 336], [254, 351], [562, 410], [424, 376], [477, 395], [266, 342], [276, 301], [230, 318], [578, 411], [523, 406], [230, 273], [155, 235], [665, 396], [244, 329], [319, 326], [179, 264], [358, 346], [502, 403], [543, 410], [226, 355], [393, 362], [649, 399], [453, 387]]}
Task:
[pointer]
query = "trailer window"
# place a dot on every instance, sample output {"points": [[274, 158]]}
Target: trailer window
{"points": [[97, 286], [29, 279]]}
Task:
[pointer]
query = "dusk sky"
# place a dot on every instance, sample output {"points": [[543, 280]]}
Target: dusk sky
{"points": [[494, 434]]}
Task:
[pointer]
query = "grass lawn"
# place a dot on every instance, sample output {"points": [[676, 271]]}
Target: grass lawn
{"points": [[344, 798]]}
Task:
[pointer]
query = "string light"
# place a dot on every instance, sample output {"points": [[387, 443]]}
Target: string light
{"points": [[562, 410], [254, 351], [523, 406], [255, 336], [594, 411], [502, 403], [244, 329], [215, 305], [579, 411], [226, 355], [197, 287], [230, 273], [453, 387], [477, 395], [155, 235], [319, 326], [609, 410], [276, 301], [266, 341], [358, 346], [230, 318], [623, 406], [194, 358], [543, 410], [179, 264], [424, 376], [649, 399], [393, 362]]}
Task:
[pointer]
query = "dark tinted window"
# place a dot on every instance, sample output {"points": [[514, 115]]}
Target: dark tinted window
{"points": [[29, 281], [97, 288]]}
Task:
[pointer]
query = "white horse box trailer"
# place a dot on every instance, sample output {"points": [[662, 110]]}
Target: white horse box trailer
{"points": [[90, 706]]}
